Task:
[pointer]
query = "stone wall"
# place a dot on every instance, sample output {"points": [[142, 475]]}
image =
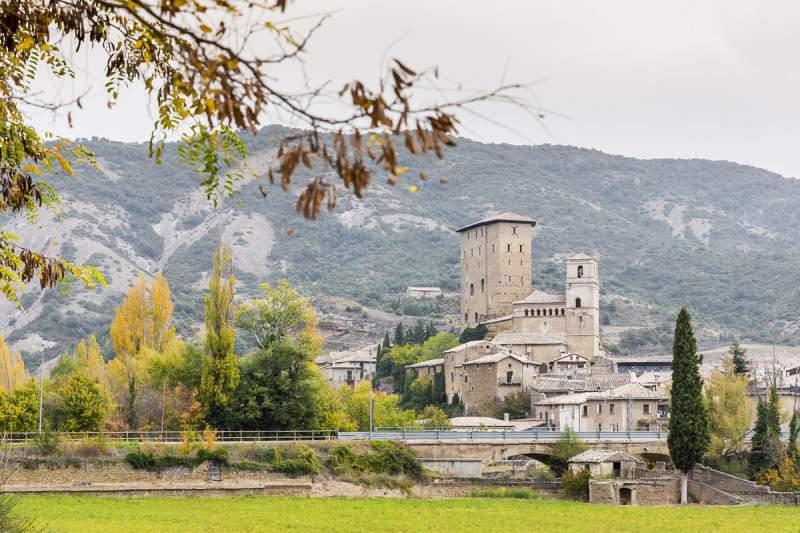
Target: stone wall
{"points": [[455, 467], [708, 495], [655, 491], [109, 472], [726, 482]]}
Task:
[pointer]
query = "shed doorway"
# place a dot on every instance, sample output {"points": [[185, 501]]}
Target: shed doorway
{"points": [[617, 468], [625, 496]]}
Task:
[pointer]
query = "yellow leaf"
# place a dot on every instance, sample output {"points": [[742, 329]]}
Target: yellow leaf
{"points": [[399, 171], [26, 44], [205, 29], [32, 168], [413, 188]]}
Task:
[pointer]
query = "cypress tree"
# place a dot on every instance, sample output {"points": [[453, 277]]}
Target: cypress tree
{"points": [[738, 356], [794, 431], [688, 424], [766, 447], [399, 336], [386, 342]]}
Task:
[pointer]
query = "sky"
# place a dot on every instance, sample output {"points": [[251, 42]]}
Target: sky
{"points": [[685, 79]]}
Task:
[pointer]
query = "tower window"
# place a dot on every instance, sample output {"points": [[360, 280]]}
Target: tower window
{"points": [[493, 248], [526, 312], [479, 250], [538, 312], [471, 289], [483, 283], [514, 230], [580, 271], [476, 317], [520, 248], [577, 302], [562, 312], [466, 317], [508, 247]]}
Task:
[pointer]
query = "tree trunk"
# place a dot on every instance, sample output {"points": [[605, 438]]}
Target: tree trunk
{"points": [[684, 487]]}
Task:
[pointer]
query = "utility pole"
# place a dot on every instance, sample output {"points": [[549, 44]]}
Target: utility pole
{"points": [[370, 411], [41, 390]]}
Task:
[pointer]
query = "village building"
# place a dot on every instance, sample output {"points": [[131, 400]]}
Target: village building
{"points": [[570, 363], [606, 463], [348, 368], [492, 378], [424, 292], [630, 407], [426, 369], [642, 364], [550, 385], [455, 357]]}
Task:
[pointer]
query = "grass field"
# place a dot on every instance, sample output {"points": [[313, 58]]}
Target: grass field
{"points": [[257, 513]]}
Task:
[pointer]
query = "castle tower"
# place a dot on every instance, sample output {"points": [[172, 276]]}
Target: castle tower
{"points": [[496, 261], [583, 305]]}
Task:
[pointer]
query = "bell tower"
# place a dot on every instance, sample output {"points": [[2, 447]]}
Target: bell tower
{"points": [[583, 305], [496, 265]]}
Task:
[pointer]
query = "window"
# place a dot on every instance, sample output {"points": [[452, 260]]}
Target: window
{"points": [[577, 302], [483, 284], [580, 271], [493, 248], [599, 408], [471, 289], [520, 248], [451, 377], [550, 312], [479, 251], [476, 317], [562, 312], [585, 410], [466, 317], [526, 312], [514, 230], [509, 376], [611, 409], [508, 247], [646, 409], [466, 378], [538, 311], [599, 428]]}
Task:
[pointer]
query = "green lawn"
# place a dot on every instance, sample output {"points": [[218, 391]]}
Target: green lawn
{"points": [[257, 513]]}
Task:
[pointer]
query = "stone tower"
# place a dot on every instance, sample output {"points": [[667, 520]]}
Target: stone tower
{"points": [[583, 305], [496, 261]]}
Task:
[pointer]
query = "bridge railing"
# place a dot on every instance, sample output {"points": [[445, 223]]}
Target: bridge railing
{"points": [[178, 436], [477, 436]]}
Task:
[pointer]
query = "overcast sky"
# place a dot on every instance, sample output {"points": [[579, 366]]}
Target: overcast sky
{"points": [[707, 79]]}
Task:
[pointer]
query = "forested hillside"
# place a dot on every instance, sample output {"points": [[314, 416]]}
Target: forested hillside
{"points": [[717, 236]]}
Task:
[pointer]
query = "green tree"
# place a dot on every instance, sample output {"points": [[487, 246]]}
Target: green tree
{"points": [[730, 412], [516, 404], [399, 336], [277, 390], [418, 393], [794, 431], [434, 417], [386, 342], [19, 411], [766, 447], [688, 437], [281, 315], [478, 333], [567, 446], [220, 371], [739, 358], [387, 411], [83, 405]]}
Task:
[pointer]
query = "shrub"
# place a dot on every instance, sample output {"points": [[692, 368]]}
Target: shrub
{"points": [[265, 455], [141, 460], [47, 442], [542, 473], [249, 466], [390, 458], [520, 493], [576, 485], [92, 447], [343, 461], [210, 436], [302, 461], [217, 454]]}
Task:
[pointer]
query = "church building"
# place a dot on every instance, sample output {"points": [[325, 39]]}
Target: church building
{"points": [[497, 290]]}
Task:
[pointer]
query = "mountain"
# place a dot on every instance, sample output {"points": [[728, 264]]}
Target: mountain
{"points": [[717, 236]]}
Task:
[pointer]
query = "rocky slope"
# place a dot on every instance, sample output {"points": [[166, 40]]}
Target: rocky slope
{"points": [[717, 236]]}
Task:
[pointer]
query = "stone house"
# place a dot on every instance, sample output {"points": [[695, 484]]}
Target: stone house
{"points": [[549, 385], [423, 292], [535, 346], [569, 363], [629, 407], [348, 368], [607, 463], [455, 357], [428, 369], [493, 377]]}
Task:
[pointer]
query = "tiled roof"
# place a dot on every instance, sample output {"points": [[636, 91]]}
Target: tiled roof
{"points": [[566, 399], [631, 390], [500, 217], [642, 359], [541, 297], [496, 357], [506, 338], [591, 383], [466, 345], [476, 421], [596, 455], [580, 358], [424, 364]]}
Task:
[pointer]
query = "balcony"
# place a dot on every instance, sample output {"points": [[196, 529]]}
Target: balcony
{"points": [[506, 383]]}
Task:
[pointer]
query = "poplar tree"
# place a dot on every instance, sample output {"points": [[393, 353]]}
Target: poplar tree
{"points": [[220, 372], [766, 447], [399, 335], [688, 424]]}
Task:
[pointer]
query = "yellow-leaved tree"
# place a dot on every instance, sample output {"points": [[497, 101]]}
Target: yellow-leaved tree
{"points": [[12, 369], [141, 331]]}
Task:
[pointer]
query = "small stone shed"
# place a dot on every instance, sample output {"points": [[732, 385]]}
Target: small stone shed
{"points": [[612, 463]]}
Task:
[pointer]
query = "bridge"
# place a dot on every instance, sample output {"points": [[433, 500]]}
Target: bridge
{"points": [[491, 446]]}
